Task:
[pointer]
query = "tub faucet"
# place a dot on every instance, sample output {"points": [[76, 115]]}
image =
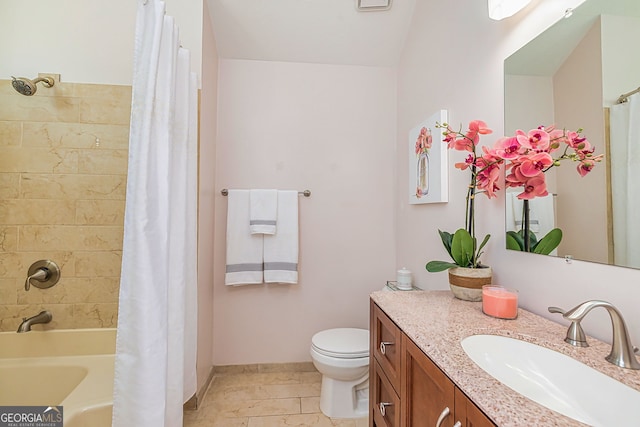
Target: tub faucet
{"points": [[622, 352], [42, 317]]}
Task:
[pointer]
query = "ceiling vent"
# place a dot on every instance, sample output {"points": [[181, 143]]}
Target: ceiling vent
{"points": [[373, 5]]}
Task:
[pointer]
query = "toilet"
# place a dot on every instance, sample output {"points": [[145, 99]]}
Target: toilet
{"points": [[342, 357]]}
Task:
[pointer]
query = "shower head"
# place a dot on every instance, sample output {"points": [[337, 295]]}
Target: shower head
{"points": [[28, 87]]}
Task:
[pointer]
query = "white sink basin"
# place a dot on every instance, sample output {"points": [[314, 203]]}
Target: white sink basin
{"points": [[556, 381]]}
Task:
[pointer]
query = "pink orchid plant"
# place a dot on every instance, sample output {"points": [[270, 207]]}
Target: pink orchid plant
{"points": [[484, 171], [529, 155]]}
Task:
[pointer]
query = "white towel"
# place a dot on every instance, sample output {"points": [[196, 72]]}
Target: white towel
{"points": [[281, 249], [263, 211], [244, 250]]}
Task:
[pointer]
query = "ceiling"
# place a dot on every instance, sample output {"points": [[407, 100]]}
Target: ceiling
{"points": [[316, 31]]}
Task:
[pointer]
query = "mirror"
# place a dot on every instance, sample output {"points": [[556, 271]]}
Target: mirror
{"points": [[571, 75]]}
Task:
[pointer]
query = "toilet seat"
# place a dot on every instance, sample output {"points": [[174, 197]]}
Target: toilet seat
{"points": [[342, 343]]}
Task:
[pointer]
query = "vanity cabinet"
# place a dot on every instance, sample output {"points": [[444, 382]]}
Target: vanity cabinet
{"points": [[407, 389]]}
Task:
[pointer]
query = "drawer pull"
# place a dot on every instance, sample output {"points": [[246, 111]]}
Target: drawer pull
{"points": [[383, 407], [445, 412], [457, 424], [383, 346]]}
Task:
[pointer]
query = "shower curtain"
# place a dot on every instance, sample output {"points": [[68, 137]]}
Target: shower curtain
{"points": [[625, 180], [156, 339]]}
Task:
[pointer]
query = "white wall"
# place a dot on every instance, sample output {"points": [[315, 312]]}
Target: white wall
{"points": [[329, 129], [621, 70], [85, 41], [578, 104], [206, 199], [468, 82]]}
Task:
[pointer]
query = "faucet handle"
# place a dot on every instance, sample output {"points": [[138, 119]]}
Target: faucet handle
{"points": [[575, 333], [556, 310]]}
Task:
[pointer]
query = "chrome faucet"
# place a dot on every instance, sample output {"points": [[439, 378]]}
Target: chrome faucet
{"points": [[622, 352], [42, 317]]}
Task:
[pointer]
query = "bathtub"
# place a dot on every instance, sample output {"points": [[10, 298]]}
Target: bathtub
{"points": [[72, 368]]}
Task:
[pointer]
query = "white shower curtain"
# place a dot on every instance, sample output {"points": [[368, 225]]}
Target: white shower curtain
{"points": [[156, 340], [625, 181]]}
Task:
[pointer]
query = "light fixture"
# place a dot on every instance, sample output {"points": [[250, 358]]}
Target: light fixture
{"points": [[500, 9], [371, 5]]}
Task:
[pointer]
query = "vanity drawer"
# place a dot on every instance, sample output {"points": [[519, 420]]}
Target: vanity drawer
{"points": [[385, 345], [385, 403]]}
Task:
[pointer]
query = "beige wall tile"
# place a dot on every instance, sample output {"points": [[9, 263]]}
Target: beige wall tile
{"points": [[75, 135], [62, 237], [11, 316], [99, 161], [38, 108], [10, 133], [38, 160], [101, 110], [73, 187], [95, 315], [37, 211], [118, 93], [8, 236], [8, 291], [100, 212], [59, 88], [73, 290], [9, 185], [51, 210], [21, 261], [98, 264], [9, 264]]}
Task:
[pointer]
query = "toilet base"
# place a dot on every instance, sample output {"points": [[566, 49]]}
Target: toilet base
{"points": [[345, 399]]}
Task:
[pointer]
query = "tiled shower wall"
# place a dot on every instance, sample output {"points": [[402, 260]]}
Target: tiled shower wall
{"points": [[63, 165]]}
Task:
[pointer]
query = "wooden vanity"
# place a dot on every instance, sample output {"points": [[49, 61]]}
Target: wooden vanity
{"points": [[407, 388], [418, 368]]}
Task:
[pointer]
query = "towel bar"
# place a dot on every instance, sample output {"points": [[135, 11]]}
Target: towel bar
{"points": [[305, 193]]}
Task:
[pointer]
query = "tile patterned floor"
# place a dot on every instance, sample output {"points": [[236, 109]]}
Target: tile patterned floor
{"points": [[265, 396]]}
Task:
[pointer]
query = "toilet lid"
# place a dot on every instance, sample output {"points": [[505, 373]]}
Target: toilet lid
{"points": [[345, 343]]}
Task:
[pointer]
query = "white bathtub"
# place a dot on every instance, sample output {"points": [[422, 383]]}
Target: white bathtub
{"points": [[72, 368]]}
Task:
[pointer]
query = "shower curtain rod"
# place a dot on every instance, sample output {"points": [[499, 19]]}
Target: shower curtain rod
{"points": [[305, 193], [624, 96]]}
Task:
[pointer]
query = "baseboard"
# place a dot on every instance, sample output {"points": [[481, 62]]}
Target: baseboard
{"points": [[264, 368], [195, 401]]}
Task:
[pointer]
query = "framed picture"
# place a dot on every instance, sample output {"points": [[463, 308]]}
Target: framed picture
{"points": [[428, 166]]}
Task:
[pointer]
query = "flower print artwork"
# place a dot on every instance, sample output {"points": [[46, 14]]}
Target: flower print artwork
{"points": [[428, 162], [423, 145]]}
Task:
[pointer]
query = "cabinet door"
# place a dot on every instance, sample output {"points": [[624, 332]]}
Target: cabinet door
{"points": [[427, 393], [385, 403], [385, 344], [468, 413]]}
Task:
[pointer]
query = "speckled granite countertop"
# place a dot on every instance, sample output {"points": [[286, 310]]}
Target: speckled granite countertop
{"points": [[437, 322]]}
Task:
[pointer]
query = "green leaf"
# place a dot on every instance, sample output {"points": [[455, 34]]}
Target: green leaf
{"points": [[548, 243], [462, 248], [533, 240], [514, 241], [446, 238], [436, 266]]}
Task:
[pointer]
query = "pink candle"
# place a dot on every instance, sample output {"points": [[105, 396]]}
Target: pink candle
{"points": [[500, 302]]}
